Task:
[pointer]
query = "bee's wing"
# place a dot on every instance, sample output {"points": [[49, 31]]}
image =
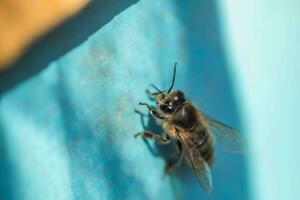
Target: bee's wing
{"points": [[230, 139], [200, 167]]}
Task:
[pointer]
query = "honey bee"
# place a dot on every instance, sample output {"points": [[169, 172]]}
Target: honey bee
{"points": [[193, 131]]}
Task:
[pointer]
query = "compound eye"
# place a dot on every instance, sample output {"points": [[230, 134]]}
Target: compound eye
{"points": [[180, 94], [166, 108], [179, 98]]}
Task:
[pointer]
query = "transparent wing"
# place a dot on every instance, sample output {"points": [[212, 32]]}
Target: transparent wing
{"points": [[200, 167], [229, 138]]}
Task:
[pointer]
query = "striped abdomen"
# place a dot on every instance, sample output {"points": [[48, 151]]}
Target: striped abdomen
{"points": [[204, 143]]}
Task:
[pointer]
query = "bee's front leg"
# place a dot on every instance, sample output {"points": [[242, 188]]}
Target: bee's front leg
{"points": [[158, 138], [153, 112], [152, 95]]}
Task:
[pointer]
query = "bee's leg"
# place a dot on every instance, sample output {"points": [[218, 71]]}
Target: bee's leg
{"points": [[153, 112], [171, 165], [150, 94], [158, 138]]}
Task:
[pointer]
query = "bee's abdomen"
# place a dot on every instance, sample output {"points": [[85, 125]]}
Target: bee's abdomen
{"points": [[204, 143]]}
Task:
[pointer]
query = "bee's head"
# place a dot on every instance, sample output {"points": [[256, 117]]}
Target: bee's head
{"points": [[167, 102]]}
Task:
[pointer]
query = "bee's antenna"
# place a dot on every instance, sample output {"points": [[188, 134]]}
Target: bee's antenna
{"points": [[158, 90], [173, 80]]}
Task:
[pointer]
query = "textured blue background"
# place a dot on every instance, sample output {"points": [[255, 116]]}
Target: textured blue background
{"points": [[67, 106], [67, 131]]}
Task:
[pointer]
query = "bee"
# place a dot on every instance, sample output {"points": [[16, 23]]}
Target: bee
{"points": [[192, 129]]}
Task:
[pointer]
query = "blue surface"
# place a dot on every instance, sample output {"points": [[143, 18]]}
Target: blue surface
{"points": [[262, 40], [67, 129]]}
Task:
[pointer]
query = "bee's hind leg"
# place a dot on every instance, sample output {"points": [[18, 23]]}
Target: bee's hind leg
{"points": [[158, 138], [171, 165]]}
